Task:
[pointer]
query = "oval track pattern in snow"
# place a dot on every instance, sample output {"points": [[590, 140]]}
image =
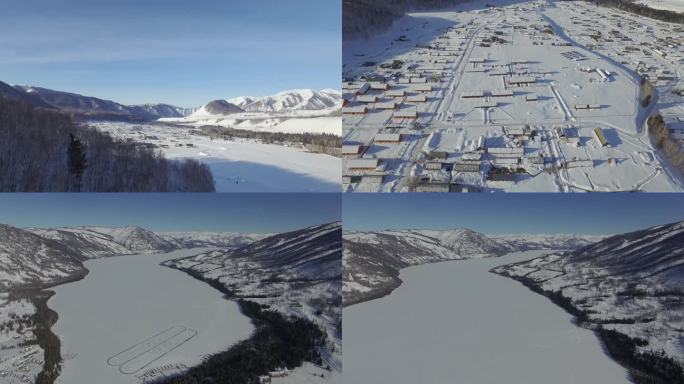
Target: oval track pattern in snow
{"points": [[136, 350], [139, 362]]}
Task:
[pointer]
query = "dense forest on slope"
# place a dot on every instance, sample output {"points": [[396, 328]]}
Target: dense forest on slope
{"points": [[42, 150], [278, 342], [363, 18], [643, 10]]}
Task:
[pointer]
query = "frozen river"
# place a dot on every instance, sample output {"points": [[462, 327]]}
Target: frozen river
{"points": [[131, 317], [454, 322]]}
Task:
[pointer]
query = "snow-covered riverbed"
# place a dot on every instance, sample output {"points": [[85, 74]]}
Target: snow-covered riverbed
{"points": [[238, 165], [456, 322], [131, 317]]}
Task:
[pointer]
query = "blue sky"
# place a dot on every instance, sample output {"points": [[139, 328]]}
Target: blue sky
{"points": [[184, 53], [230, 212], [513, 213]]}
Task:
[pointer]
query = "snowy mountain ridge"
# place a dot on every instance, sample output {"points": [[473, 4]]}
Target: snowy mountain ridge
{"points": [[29, 260], [372, 260], [95, 108], [290, 100], [294, 111], [95, 242], [37, 257]]}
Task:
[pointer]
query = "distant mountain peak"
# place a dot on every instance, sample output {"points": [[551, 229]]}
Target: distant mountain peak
{"points": [[303, 99]]}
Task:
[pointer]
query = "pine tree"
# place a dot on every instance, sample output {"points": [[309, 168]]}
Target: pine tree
{"points": [[77, 161]]}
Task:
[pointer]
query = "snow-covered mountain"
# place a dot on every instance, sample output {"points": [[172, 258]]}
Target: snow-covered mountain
{"points": [[286, 102], [296, 272], [292, 100], [29, 260], [372, 260], [631, 283], [216, 108], [94, 242]]}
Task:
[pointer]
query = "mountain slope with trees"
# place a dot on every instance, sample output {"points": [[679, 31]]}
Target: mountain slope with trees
{"points": [[629, 288], [43, 150]]}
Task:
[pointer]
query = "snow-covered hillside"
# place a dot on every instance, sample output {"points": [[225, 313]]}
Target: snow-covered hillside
{"points": [[297, 273], [93, 242], [372, 260], [29, 260], [631, 283]]}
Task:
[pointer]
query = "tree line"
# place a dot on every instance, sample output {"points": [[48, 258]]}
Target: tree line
{"points": [[317, 142], [661, 137], [43, 150], [643, 10]]}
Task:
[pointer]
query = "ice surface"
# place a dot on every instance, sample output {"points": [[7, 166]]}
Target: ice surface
{"points": [[456, 322], [140, 316]]}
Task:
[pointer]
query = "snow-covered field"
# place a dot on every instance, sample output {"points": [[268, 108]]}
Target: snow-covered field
{"points": [[457, 322], [239, 165], [530, 78], [132, 319]]}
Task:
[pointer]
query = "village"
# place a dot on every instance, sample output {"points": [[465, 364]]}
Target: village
{"points": [[21, 359], [531, 97]]}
